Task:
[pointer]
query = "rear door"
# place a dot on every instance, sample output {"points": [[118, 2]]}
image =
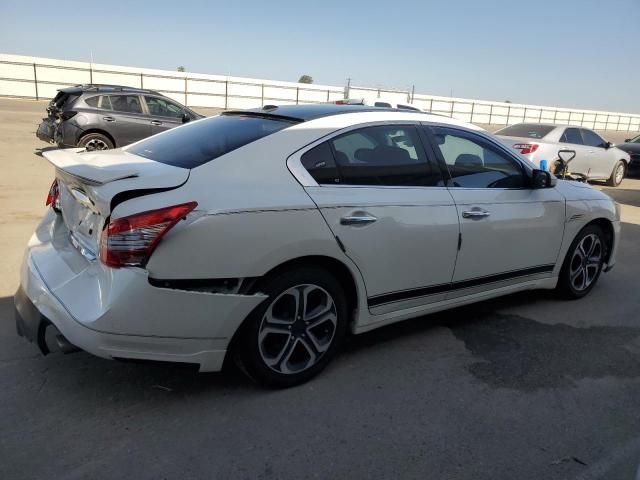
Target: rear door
{"points": [[601, 158], [509, 232], [125, 118], [385, 201], [571, 139], [163, 113]]}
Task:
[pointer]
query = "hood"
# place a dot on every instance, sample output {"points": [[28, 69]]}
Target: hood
{"points": [[580, 191], [629, 147]]}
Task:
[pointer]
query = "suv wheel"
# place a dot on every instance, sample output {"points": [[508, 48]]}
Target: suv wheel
{"points": [[294, 334], [95, 141]]}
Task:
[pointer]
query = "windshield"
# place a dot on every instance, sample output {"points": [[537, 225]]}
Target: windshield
{"points": [[200, 142], [526, 130]]}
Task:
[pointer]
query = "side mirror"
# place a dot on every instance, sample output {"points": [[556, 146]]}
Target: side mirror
{"points": [[627, 140], [542, 179], [186, 118], [566, 155], [608, 145]]}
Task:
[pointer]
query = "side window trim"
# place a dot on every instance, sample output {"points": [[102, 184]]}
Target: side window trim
{"points": [[482, 139], [300, 173]]}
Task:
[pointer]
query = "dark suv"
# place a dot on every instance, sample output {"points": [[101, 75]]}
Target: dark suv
{"points": [[99, 117]]}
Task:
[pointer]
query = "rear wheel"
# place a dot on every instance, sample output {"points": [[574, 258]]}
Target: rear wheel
{"points": [[583, 263], [617, 174], [294, 334], [95, 141]]}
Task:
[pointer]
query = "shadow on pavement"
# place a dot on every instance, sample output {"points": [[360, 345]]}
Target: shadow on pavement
{"points": [[623, 195], [40, 151]]}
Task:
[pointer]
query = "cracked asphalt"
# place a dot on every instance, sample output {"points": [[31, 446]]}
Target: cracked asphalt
{"points": [[526, 387]]}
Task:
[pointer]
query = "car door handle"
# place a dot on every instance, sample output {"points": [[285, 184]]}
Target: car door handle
{"points": [[156, 122], [109, 119], [357, 219], [475, 214]]}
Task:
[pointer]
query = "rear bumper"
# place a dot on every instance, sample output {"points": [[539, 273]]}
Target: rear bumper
{"points": [[120, 315], [47, 130]]}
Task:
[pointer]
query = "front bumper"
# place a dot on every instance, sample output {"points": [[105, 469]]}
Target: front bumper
{"points": [[117, 313]]}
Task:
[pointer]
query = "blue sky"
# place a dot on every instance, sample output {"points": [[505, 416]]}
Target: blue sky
{"points": [[574, 53]]}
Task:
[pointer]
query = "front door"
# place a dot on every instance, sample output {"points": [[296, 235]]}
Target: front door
{"points": [[164, 114], [509, 232], [386, 203]]}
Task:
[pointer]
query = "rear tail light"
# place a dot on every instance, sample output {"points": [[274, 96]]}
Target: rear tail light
{"points": [[526, 148], [340, 102], [130, 241], [53, 197], [67, 115]]}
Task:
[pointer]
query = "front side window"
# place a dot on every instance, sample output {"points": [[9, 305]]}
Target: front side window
{"points": [[474, 162], [159, 107], [592, 139], [126, 103], [571, 135]]}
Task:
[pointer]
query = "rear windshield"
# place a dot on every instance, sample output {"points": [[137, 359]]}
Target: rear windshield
{"points": [[200, 142], [526, 130]]}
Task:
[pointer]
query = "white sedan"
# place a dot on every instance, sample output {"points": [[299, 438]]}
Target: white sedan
{"points": [[595, 159], [269, 235]]}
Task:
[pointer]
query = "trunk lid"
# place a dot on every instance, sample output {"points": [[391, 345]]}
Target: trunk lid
{"points": [[89, 183]]}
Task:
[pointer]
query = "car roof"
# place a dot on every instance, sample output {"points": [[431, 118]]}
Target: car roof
{"points": [[303, 113], [95, 87], [555, 125]]}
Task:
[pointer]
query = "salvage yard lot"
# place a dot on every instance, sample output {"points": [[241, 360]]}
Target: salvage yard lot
{"points": [[524, 387]]}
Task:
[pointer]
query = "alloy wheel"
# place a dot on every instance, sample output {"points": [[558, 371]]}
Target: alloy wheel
{"points": [[96, 144], [297, 329], [619, 173], [586, 262]]}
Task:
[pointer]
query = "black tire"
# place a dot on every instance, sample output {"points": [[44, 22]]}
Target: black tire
{"points": [[567, 287], [95, 141], [618, 173], [252, 350]]}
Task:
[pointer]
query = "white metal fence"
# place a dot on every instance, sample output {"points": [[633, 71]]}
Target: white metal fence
{"points": [[39, 78]]}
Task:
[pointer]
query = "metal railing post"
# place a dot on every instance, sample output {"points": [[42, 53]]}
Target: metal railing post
{"points": [[141, 80], [297, 94], [185, 91], [226, 93], [262, 94], [490, 113], [35, 80], [473, 107]]}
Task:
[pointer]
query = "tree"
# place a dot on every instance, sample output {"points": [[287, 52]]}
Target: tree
{"points": [[305, 79], [180, 68]]}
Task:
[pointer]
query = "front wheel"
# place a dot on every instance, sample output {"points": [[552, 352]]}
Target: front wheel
{"points": [[583, 263], [296, 331], [617, 174]]}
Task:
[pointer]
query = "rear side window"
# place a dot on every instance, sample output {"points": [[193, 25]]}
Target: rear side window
{"points": [[200, 142], [571, 135], [526, 130], [92, 101], [382, 104], [389, 155], [126, 103]]}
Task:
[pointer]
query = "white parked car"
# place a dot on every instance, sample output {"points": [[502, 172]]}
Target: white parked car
{"points": [[268, 235], [596, 159]]}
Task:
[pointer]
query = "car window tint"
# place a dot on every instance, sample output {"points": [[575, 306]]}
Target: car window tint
{"points": [[321, 165], [163, 108], [105, 103], [474, 162], [408, 107], [384, 155], [92, 101], [382, 104], [592, 139], [571, 135], [526, 130], [126, 103], [200, 142]]}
